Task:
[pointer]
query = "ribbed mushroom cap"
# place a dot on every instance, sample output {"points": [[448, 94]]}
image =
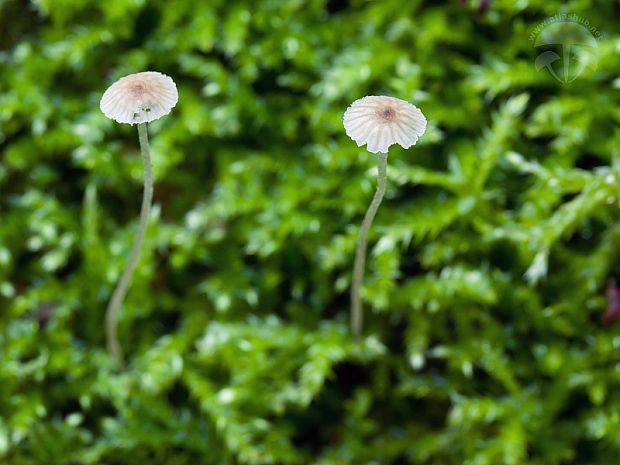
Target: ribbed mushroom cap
{"points": [[380, 121], [139, 98]]}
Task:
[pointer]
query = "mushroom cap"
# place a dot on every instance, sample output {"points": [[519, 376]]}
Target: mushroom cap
{"points": [[139, 98], [380, 122]]}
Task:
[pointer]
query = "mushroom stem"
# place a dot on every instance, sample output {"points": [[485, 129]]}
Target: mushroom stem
{"points": [[114, 306], [360, 255]]}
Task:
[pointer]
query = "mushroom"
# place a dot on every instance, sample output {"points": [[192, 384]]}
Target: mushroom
{"points": [[135, 99], [377, 122]]}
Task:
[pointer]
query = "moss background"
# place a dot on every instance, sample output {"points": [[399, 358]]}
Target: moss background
{"points": [[488, 265]]}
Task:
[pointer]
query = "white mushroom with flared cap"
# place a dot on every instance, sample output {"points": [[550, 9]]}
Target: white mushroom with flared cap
{"points": [[377, 122], [136, 99]]}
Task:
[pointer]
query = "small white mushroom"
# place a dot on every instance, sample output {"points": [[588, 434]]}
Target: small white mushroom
{"points": [[136, 99], [377, 122]]}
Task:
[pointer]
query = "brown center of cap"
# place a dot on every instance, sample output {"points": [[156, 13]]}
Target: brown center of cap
{"points": [[137, 89], [387, 114]]}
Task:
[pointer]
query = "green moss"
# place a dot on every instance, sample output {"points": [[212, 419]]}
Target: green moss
{"points": [[488, 259]]}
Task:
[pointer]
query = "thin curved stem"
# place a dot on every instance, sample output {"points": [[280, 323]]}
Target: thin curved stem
{"points": [[357, 314], [114, 306]]}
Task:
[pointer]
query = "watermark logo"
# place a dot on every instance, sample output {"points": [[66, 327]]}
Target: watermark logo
{"points": [[567, 45]]}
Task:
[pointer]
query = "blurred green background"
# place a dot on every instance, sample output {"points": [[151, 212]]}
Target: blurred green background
{"points": [[489, 259]]}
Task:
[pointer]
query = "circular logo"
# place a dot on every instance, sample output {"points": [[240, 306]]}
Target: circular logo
{"points": [[567, 45]]}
